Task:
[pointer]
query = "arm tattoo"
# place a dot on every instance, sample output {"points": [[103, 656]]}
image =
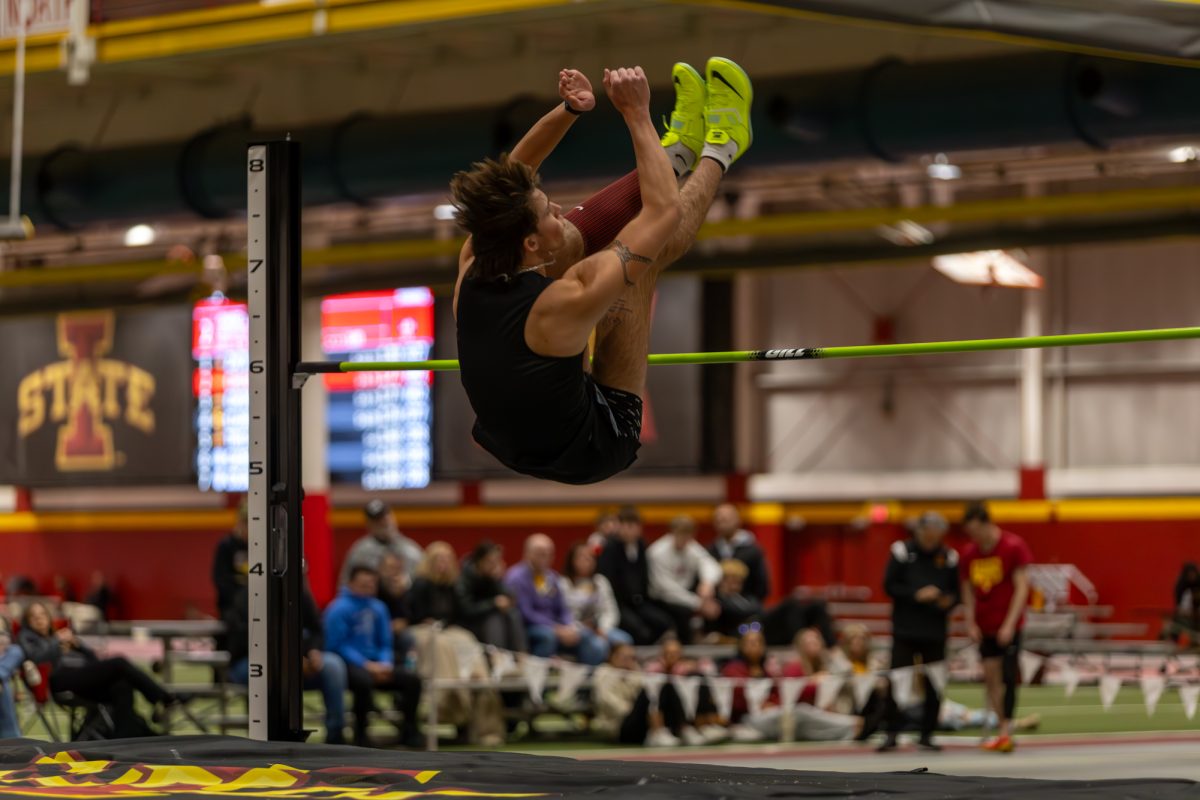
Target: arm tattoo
{"points": [[626, 255]]}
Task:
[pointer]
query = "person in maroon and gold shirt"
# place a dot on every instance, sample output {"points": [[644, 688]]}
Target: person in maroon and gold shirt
{"points": [[995, 589]]}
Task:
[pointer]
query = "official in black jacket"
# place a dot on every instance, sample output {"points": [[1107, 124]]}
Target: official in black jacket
{"points": [[922, 580]]}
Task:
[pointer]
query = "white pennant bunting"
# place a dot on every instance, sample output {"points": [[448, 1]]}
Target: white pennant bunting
{"points": [[1030, 664], [502, 663], [902, 686], [938, 675], [790, 690], [1070, 677], [1152, 691], [1110, 685], [688, 689], [469, 656], [722, 692], [828, 688], [757, 691], [1189, 695], [652, 683], [535, 674], [862, 686], [570, 678]]}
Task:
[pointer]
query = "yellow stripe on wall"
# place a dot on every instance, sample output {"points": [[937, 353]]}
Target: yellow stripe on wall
{"points": [[530, 518]]}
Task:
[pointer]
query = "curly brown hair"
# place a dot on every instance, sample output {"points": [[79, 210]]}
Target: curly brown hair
{"points": [[492, 201]]}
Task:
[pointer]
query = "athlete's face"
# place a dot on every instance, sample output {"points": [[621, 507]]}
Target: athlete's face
{"points": [[550, 236]]}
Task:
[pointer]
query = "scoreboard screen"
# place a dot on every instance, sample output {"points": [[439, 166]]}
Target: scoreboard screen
{"points": [[379, 422], [220, 384]]}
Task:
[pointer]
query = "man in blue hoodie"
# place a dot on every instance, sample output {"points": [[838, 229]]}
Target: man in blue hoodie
{"points": [[358, 627]]}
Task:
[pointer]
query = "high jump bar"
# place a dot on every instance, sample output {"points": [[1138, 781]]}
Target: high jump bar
{"points": [[807, 353]]}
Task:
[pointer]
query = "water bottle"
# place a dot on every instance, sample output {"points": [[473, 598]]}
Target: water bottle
{"points": [[33, 677]]}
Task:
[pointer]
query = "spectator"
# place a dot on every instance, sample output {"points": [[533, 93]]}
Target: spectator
{"points": [[671, 661], [624, 710], [623, 563], [590, 596], [445, 650], [230, 566], [382, 537], [813, 723], [1187, 599], [683, 578], [393, 592], [606, 528], [321, 669], [737, 609], [995, 588], [76, 669], [488, 610], [543, 605], [11, 658], [102, 595], [734, 541], [358, 628], [922, 580], [61, 588]]}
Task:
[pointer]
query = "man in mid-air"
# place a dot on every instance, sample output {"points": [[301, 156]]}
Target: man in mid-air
{"points": [[534, 284]]}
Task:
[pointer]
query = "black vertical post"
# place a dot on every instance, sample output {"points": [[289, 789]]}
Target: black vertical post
{"points": [[277, 540]]}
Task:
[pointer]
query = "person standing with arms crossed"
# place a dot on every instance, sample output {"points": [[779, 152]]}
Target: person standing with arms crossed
{"points": [[995, 589]]}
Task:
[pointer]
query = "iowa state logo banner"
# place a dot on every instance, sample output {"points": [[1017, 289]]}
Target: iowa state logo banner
{"points": [[95, 397]]}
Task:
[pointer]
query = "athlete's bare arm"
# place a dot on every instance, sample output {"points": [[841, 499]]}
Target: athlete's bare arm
{"points": [[563, 317], [574, 88]]}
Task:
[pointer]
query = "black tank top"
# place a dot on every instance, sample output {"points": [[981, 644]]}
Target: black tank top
{"points": [[530, 408]]}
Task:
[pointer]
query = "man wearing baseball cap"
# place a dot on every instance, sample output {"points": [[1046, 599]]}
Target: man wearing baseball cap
{"points": [[382, 537]]}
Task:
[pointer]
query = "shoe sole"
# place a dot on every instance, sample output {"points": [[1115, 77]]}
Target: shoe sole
{"points": [[725, 62]]}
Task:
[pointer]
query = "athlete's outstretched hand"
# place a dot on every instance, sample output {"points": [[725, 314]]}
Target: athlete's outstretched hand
{"points": [[628, 89], [576, 90]]}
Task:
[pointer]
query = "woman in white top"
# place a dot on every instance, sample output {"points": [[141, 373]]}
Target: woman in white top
{"points": [[589, 595]]}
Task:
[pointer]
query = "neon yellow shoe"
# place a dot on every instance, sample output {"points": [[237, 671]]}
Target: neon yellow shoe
{"points": [[685, 131], [728, 132]]}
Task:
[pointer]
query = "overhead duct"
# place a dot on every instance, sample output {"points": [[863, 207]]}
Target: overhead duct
{"points": [[892, 110]]}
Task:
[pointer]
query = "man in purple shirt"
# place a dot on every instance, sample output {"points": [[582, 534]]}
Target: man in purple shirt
{"points": [[548, 621]]}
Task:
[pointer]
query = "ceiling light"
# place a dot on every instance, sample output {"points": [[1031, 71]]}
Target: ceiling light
{"points": [[987, 268], [1180, 155], [139, 236], [444, 212]]}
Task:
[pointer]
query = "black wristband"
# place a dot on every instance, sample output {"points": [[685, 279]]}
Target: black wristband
{"points": [[567, 106]]}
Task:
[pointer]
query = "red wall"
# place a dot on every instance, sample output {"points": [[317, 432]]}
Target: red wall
{"points": [[164, 574]]}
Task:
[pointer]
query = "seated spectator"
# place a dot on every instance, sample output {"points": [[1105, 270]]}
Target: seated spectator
{"points": [[487, 609], [61, 588], [623, 563], [671, 661], [393, 592], [810, 723], [230, 567], [543, 605], [737, 608], [75, 668], [11, 658], [854, 656], [624, 711], [383, 536], [103, 596], [590, 596], [735, 542], [358, 628], [321, 669], [683, 578], [1187, 599], [451, 651], [813, 661]]}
